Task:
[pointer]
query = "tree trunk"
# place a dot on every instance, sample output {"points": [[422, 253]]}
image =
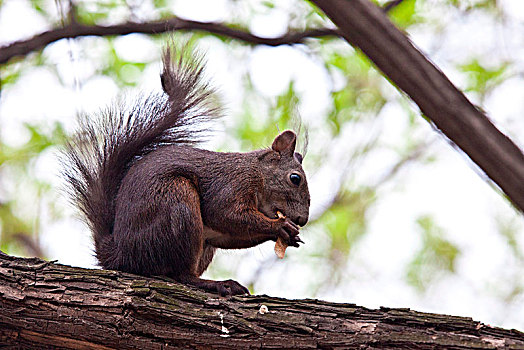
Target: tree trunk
{"points": [[47, 305], [367, 27]]}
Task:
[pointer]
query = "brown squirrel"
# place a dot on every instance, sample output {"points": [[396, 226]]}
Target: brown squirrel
{"points": [[159, 206]]}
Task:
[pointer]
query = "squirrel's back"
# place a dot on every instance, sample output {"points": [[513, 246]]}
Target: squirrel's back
{"points": [[99, 156]]}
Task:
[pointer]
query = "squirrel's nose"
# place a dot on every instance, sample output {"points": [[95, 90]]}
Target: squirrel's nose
{"points": [[301, 220]]}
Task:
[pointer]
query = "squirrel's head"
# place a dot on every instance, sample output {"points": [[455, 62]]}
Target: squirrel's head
{"points": [[285, 184]]}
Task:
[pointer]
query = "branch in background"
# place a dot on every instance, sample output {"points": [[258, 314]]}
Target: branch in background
{"points": [[30, 244], [74, 30], [416, 154], [391, 5], [72, 13], [365, 26]]}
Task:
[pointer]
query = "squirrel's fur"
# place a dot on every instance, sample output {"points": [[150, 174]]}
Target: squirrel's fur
{"points": [[159, 206]]}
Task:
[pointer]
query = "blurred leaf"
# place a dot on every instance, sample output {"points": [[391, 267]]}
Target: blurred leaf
{"points": [[18, 161], [482, 79], [257, 128], [38, 141], [285, 108], [317, 12], [436, 257], [9, 75], [403, 15], [360, 96], [345, 219], [95, 12], [39, 6], [475, 4], [10, 225], [160, 3], [125, 73], [268, 4], [509, 230]]}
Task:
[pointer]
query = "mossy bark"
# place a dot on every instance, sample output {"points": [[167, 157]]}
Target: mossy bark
{"points": [[46, 305]]}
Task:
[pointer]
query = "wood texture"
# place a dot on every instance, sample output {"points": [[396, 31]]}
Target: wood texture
{"points": [[46, 305], [367, 27]]}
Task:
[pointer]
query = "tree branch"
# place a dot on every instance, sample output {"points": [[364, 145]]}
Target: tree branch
{"points": [[74, 30], [44, 305], [365, 26]]}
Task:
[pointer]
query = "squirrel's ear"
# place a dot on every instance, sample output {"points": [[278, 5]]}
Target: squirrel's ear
{"points": [[285, 142], [299, 157]]}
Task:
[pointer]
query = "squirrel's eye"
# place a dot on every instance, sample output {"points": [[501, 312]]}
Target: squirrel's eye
{"points": [[295, 179]]}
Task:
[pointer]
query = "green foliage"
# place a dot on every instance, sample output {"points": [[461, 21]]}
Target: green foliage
{"points": [[509, 230], [482, 79], [436, 257], [512, 286], [346, 222], [268, 4], [160, 4], [38, 141], [9, 75], [124, 72], [360, 96], [39, 6], [11, 225], [475, 4], [404, 14], [19, 162], [94, 12], [257, 127]]}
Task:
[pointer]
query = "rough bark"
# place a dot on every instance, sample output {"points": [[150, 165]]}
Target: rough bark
{"points": [[367, 27], [47, 305]]}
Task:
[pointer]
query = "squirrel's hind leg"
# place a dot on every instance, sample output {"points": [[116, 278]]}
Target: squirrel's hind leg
{"points": [[186, 218], [185, 223]]}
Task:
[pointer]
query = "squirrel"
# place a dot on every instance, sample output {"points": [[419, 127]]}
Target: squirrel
{"points": [[157, 205]]}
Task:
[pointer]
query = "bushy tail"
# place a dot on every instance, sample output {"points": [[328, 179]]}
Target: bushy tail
{"points": [[98, 157]]}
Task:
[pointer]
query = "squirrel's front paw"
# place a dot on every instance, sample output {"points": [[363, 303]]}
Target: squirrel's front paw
{"points": [[289, 231], [229, 287]]}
